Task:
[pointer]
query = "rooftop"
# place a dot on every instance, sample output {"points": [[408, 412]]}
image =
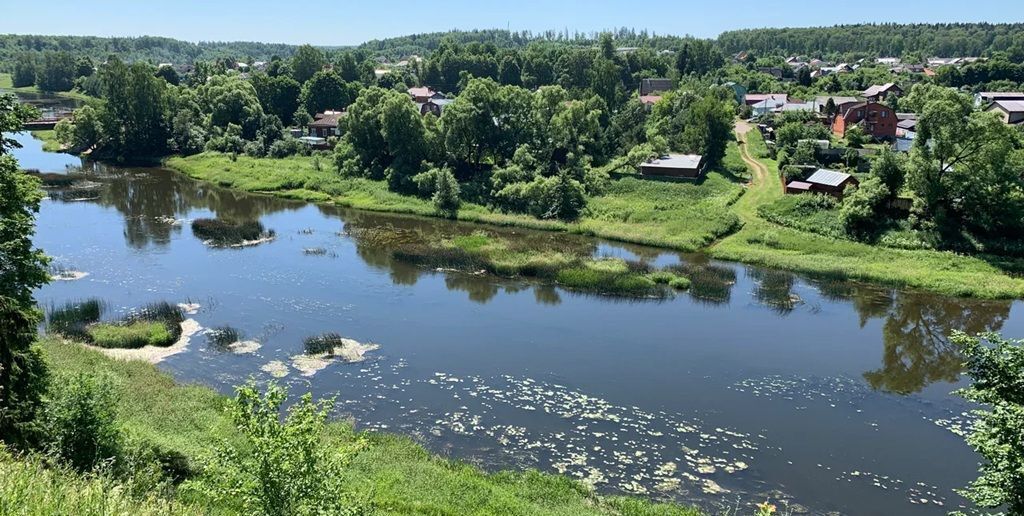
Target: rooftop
{"points": [[1010, 106], [824, 176], [688, 161]]}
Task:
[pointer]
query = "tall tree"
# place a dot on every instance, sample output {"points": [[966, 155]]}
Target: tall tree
{"points": [[23, 373], [307, 61], [325, 91], [25, 70]]}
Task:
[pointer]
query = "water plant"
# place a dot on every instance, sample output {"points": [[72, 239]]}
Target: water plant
{"points": [[323, 344], [220, 232], [223, 336], [71, 319]]}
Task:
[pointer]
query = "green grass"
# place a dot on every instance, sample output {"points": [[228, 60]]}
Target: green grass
{"points": [[396, 475], [7, 83], [31, 487], [131, 335], [49, 139], [761, 242]]}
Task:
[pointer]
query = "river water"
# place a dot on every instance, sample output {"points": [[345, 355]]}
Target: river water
{"points": [[757, 384]]}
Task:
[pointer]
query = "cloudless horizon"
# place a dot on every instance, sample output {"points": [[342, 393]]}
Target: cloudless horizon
{"points": [[351, 23]]}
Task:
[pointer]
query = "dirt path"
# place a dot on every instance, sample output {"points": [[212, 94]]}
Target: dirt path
{"points": [[760, 172]]}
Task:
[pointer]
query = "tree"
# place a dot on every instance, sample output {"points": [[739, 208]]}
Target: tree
{"points": [[862, 210], [57, 72], [84, 67], [996, 367], [229, 99], [446, 193], [890, 168], [23, 375], [564, 196], [856, 137], [307, 61], [83, 132], [325, 91], [24, 70], [509, 72], [803, 77], [169, 74], [286, 467], [279, 95], [134, 112], [402, 129]]}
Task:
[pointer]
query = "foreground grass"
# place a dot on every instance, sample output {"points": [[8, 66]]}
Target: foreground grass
{"points": [[7, 83], [679, 215], [30, 487], [763, 243], [394, 474]]}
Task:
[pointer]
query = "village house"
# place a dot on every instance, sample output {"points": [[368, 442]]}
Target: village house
{"points": [[986, 98], [824, 181], [754, 98], [1010, 111], [738, 90], [675, 165], [434, 106], [878, 93], [326, 124], [649, 100], [650, 87], [877, 120], [841, 103], [423, 93]]}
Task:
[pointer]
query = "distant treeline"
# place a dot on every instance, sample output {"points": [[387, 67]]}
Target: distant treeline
{"points": [[145, 48], [927, 40], [423, 44]]}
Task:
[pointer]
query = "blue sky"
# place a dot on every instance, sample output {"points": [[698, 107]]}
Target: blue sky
{"points": [[346, 22]]}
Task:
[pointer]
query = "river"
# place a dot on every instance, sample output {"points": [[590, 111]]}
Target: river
{"points": [[757, 384]]}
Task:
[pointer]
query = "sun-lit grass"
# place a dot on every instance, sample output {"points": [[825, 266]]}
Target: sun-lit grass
{"points": [[761, 242], [49, 139], [29, 486], [131, 335], [395, 474]]}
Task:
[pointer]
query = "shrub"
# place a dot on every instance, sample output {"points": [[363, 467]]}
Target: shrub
{"points": [[996, 366], [446, 193], [81, 426], [284, 466], [222, 337], [287, 146]]}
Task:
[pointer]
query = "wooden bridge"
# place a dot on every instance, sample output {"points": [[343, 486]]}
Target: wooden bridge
{"points": [[46, 122]]}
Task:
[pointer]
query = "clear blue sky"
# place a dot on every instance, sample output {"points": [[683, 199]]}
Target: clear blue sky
{"points": [[347, 22]]}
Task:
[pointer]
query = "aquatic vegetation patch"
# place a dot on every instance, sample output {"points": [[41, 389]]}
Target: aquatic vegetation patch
{"points": [[131, 335], [222, 233], [72, 318], [275, 368], [323, 344], [222, 337], [156, 324], [53, 180], [324, 349]]}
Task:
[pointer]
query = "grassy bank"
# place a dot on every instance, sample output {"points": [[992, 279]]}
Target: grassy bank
{"points": [[7, 83], [678, 215], [394, 474], [49, 139], [763, 243]]}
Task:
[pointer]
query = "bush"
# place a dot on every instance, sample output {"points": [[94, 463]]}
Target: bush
{"points": [[81, 425], [287, 146], [446, 193], [284, 467], [863, 210], [996, 366]]}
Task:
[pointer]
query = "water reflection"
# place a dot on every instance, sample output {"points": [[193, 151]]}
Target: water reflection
{"points": [[916, 353]]}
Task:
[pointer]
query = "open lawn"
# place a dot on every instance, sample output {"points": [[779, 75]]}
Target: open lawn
{"points": [[392, 473]]}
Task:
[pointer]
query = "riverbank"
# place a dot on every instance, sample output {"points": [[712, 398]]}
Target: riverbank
{"points": [[760, 242], [393, 474], [7, 84], [714, 215]]}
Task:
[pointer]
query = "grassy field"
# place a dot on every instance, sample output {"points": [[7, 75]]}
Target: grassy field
{"points": [[394, 474], [763, 243], [7, 83], [49, 139], [679, 215]]}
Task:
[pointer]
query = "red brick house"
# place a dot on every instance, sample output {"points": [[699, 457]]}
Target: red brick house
{"points": [[878, 120]]}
